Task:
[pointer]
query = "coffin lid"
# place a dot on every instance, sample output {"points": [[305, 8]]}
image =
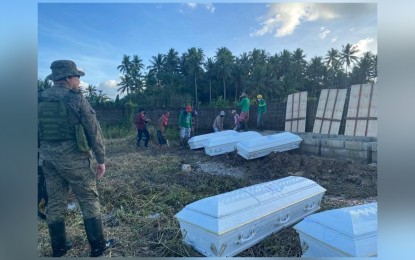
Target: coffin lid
{"points": [[228, 138], [356, 221], [221, 213], [274, 139], [206, 136]]}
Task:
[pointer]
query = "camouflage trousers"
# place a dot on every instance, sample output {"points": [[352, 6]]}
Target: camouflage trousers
{"points": [[75, 174]]}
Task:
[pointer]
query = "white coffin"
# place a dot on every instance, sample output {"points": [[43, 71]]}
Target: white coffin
{"points": [[350, 231], [196, 142], [216, 145], [227, 224], [264, 145]]}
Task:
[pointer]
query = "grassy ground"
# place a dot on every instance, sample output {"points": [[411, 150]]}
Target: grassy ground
{"points": [[143, 189]]}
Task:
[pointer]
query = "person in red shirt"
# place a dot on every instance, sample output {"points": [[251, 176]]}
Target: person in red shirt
{"points": [[161, 128], [141, 123]]}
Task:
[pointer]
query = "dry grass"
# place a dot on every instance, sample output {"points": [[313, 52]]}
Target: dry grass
{"points": [[143, 190]]}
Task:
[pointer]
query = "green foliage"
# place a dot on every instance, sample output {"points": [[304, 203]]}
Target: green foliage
{"points": [[220, 103], [130, 108], [112, 131]]}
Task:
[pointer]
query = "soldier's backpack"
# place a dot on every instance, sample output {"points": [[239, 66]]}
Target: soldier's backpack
{"points": [[53, 123]]}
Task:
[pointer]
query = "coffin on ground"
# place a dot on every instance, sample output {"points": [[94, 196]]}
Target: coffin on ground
{"points": [[350, 231], [197, 141], [228, 223], [264, 145], [216, 145]]}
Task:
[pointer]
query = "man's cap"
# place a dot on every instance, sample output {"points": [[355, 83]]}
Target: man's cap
{"points": [[188, 108], [243, 95], [222, 113], [141, 110], [233, 111], [259, 96], [64, 68]]}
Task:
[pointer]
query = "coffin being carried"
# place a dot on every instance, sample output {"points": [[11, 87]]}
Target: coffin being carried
{"points": [[228, 223], [350, 231], [227, 143], [264, 145], [197, 141]]}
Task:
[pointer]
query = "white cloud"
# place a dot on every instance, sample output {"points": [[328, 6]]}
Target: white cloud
{"points": [[83, 84], [334, 39], [323, 32], [365, 45], [109, 88], [283, 19], [210, 7]]}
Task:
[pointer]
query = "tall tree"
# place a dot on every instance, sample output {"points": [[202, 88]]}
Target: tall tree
{"points": [[43, 84], [316, 74], [299, 66], [347, 56], [131, 80], [171, 67], [365, 70], [193, 62], [224, 61], [210, 70], [156, 68], [333, 64]]}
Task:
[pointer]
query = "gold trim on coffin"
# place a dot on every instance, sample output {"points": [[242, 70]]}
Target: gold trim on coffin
{"points": [[243, 224]]}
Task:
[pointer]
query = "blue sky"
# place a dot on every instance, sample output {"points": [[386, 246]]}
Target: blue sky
{"points": [[97, 35]]}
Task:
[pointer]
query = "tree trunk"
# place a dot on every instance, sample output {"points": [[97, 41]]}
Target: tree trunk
{"points": [[196, 103], [224, 89]]}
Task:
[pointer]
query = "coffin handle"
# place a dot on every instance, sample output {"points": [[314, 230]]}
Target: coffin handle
{"points": [[242, 239], [310, 207], [282, 221], [304, 247]]}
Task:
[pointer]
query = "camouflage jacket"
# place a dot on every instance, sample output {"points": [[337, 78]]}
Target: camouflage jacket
{"points": [[80, 112]]}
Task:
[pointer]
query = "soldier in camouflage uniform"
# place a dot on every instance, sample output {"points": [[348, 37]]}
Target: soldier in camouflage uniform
{"points": [[64, 163]]}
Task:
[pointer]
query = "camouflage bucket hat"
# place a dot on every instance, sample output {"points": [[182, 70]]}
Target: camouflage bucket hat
{"points": [[64, 68]]}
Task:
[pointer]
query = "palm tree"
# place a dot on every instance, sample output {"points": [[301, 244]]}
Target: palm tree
{"points": [[332, 61], [299, 67], [365, 70], [193, 62], [316, 74], [209, 67], [171, 68], [43, 84], [90, 90], [224, 61], [347, 56], [136, 76], [156, 68], [125, 65]]}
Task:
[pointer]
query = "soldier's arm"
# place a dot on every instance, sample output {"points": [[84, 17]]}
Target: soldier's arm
{"points": [[93, 130]]}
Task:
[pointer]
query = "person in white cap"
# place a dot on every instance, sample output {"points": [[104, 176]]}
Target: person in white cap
{"points": [[218, 123], [236, 124]]}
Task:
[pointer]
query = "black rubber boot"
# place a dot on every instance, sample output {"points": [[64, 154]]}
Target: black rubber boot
{"points": [[58, 239], [95, 235]]}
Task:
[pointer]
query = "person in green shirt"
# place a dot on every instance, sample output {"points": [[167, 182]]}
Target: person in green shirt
{"points": [[262, 108], [244, 115], [185, 125]]}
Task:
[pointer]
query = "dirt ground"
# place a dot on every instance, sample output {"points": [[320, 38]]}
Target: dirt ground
{"points": [[347, 181], [143, 189]]}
